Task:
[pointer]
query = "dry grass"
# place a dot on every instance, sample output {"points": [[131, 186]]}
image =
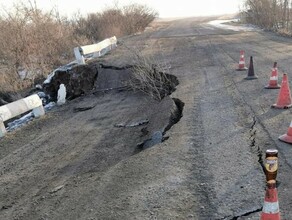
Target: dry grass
{"points": [[284, 32], [32, 42], [269, 14], [36, 42], [151, 76], [118, 21]]}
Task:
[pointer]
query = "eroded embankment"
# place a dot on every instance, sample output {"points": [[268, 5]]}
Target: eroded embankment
{"points": [[99, 78], [85, 139], [159, 86]]}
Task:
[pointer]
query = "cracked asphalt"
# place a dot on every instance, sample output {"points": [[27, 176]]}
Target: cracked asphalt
{"points": [[69, 166]]}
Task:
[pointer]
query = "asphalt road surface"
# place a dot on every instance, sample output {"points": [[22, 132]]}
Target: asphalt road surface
{"points": [[71, 165]]}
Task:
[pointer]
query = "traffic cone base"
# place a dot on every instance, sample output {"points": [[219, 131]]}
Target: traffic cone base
{"points": [[284, 99], [250, 74], [281, 106], [241, 64], [273, 83], [271, 210], [251, 77], [242, 69], [270, 216], [286, 138], [273, 87]]}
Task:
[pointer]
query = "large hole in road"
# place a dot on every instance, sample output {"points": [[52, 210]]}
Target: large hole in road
{"points": [[150, 79], [177, 114], [159, 136]]}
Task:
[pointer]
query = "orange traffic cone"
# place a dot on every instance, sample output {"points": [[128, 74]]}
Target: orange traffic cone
{"points": [[241, 64], [287, 137], [284, 97], [273, 83], [271, 209], [250, 74]]}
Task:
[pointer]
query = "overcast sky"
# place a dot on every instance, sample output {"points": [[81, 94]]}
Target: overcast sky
{"points": [[165, 8]]}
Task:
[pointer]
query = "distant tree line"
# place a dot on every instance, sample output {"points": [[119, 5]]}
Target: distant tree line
{"points": [[272, 15], [34, 42]]}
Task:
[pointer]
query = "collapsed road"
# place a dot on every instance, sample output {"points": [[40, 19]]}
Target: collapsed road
{"points": [[84, 161]]}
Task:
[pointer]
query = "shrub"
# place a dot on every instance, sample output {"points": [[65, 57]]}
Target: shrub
{"points": [[151, 76], [269, 14], [34, 42], [115, 21]]}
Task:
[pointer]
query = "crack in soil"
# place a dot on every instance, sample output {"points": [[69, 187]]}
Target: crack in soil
{"points": [[105, 66], [158, 136], [176, 115], [248, 213], [253, 145], [242, 215]]}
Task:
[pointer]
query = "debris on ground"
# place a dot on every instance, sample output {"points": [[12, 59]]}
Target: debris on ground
{"points": [[134, 124], [81, 109]]}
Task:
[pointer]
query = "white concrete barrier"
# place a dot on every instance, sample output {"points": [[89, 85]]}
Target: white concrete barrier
{"points": [[94, 49], [18, 107]]}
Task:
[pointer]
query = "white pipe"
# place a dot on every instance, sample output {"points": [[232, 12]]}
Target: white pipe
{"points": [[18, 107], [95, 49]]}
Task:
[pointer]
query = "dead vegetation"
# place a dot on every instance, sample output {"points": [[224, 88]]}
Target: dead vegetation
{"points": [[34, 42], [274, 15], [151, 76], [118, 21]]}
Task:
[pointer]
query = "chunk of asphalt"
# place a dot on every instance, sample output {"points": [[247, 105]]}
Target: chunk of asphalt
{"points": [[156, 138]]}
